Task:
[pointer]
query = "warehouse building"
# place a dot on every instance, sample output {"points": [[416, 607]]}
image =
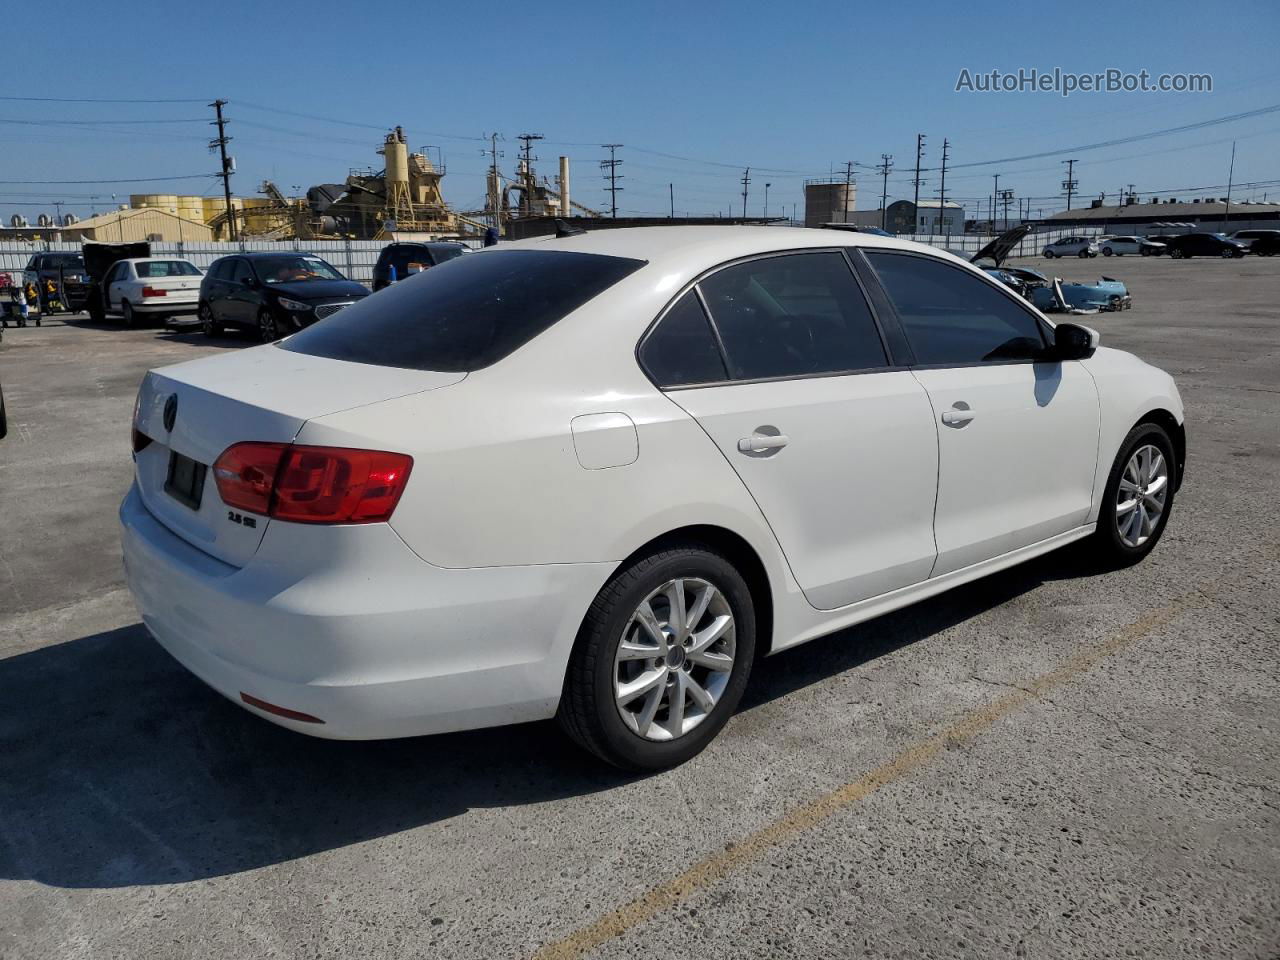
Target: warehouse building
{"points": [[130, 225], [904, 216], [1213, 215]]}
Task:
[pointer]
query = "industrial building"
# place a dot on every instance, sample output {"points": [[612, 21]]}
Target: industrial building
{"points": [[830, 200], [904, 216], [128, 225], [1171, 215]]}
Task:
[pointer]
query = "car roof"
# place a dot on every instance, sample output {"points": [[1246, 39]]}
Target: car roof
{"points": [[149, 259], [676, 246]]}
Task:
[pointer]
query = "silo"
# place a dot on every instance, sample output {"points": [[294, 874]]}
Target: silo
{"points": [[192, 208], [826, 201]]}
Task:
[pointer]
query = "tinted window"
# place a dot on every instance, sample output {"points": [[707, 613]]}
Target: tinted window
{"points": [[951, 316], [166, 268], [682, 349], [52, 261], [792, 315], [464, 314], [240, 272], [403, 256]]}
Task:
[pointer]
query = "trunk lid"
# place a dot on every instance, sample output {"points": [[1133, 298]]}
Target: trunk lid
{"points": [[191, 285], [263, 394]]}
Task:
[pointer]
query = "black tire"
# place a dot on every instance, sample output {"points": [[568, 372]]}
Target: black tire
{"points": [[1083, 254], [1228, 253], [1049, 254], [1108, 547], [268, 329], [207, 324], [127, 316], [1107, 251], [589, 712]]}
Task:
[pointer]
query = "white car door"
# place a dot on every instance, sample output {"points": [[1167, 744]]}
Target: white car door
{"points": [[1017, 431], [116, 281], [792, 380]]}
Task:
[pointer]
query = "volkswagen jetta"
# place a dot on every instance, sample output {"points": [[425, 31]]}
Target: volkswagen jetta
{"points": [[598, 477]]}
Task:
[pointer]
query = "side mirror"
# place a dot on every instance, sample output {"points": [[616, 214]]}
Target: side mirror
{"points": [[1073, 341]]}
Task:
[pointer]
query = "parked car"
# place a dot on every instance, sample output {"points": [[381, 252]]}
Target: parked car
{"points": [[410, 258], [1267, 246], [1119, 246], [273, 294], [99, 261], [1071, 247], [1205, 245], [591, 477], [65, 274], [151, 288], [1248, 237]]}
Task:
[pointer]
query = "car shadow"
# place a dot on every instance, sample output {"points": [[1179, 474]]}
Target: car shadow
{"points": [[117, 767]]}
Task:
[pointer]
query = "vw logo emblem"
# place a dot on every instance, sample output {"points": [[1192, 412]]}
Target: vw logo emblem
{"points": [[170, 411]]}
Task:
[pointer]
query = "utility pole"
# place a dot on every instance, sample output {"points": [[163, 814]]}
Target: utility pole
{"points": [[766, 200], [1231, 172], [671, 191], [886, 164], [1006, 197], [848, 185], [746, 181], [228, 165], [942, 192], [1069, 185], [610, 168], [994, 193], [493, 191], [916, 201]]}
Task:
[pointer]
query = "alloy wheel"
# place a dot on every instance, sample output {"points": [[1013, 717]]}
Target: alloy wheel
{"points": [[267, 330], [674, 659], [206, 320], [1141, 496]]}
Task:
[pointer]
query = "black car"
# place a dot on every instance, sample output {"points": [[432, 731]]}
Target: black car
{"points": [[272, 293], [59, 278], [1267, 246], [407, 258], [1204, 245]]}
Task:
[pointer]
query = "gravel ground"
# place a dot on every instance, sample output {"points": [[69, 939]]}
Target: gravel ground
{"points": [[1049, 763]]}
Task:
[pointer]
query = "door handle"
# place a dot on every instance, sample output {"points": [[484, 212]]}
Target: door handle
{"points": [[759, 443], [958, 417]]}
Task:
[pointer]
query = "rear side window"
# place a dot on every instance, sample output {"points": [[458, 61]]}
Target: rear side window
{"points": [[953, 317], [465, 314], [681, 350], [792, 315]]}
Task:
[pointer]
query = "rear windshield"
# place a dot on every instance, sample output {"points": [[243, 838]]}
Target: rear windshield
{"points": [[151, 269], [465, 314]]}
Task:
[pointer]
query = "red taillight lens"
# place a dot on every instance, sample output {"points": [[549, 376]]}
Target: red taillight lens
{"points": [[312, 484], [154, 292]]}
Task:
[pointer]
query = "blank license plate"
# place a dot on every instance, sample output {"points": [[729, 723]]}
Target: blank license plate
{"points": [[185, 481]]}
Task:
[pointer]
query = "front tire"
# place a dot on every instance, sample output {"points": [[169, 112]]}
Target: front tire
{"points": [[1106, 251], [1138, 497], [268, 332], [207, 323], [661, 659]]}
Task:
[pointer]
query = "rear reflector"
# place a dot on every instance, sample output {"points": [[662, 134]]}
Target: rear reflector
{"points": [[154, 292], [278, 711], [312, 484]]}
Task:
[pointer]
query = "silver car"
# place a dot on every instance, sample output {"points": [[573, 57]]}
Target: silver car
{"points": [[1071, 247]]}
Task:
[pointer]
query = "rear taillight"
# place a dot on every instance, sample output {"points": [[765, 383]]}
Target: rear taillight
{"points": [[154, 292], [312, 484]]}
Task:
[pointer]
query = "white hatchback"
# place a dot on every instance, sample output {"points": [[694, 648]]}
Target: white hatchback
{"points": [[1071, 247], [595, 477]]}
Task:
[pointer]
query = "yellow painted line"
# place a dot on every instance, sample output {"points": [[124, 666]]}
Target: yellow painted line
{"points": [[714, 867]]}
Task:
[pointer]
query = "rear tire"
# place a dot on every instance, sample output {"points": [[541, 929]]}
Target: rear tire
{"points": [[1049, 254], [1133, 518], [127, 315], [619, 699]]}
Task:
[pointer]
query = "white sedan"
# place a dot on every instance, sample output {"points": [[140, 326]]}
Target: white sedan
{"points": [[593, 477], [149, 288]]}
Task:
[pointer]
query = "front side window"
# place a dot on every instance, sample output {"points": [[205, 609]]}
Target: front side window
{"points": [[793, 315], [951, 316], [681, 350], [465, 314], [240, 272]]}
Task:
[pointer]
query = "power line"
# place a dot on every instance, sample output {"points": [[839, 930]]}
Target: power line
{"points": [[190, 176], [93, 123], [97, 100]]}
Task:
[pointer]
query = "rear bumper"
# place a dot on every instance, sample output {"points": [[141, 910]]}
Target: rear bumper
{"points": [[167, 305], [369, 638]]}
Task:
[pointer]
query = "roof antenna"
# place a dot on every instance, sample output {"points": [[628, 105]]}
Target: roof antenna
{"points": [[564, 229]]}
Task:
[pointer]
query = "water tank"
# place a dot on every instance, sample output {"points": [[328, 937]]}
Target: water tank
{"points": [[162, 200], [826, 202], [396, 153]]}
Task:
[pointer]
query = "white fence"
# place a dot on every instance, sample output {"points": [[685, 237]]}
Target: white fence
{"points": [[355, 258]]}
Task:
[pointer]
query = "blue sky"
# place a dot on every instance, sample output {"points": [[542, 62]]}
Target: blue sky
{"points": [[792, 90]]}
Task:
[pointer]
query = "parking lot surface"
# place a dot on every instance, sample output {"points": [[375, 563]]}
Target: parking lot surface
{"points": [[1053, 762]]}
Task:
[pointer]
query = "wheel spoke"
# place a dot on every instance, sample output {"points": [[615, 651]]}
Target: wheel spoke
{"points": [[678, 617], [1125, 506], [710, 634], [1145, 528], [644, 616], [699, 695], [700, 603], [1128, 486], [1131, 529], [636, 651], [641, 685], [720, 662], [1156, 485], [644, 719], [675, 705]]}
